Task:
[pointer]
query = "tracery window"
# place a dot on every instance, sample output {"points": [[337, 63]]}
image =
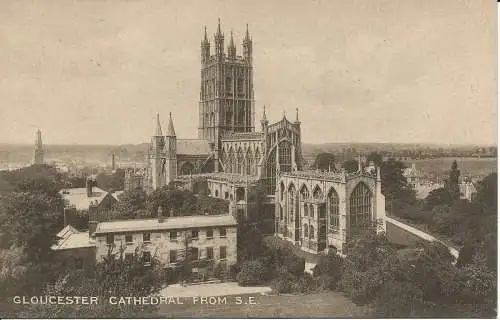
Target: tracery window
{"points": [[360, 206], [270, 180], [333, 211], [317, 193], [240, 166], [285, 156]]}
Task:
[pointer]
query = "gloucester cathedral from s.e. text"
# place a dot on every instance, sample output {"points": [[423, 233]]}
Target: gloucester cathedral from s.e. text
{"points": [[313, 209]]}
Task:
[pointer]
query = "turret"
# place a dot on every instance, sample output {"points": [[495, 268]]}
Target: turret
{"points": [[171, 152], [247, 46], [170, 128], [205, 48], [219, 42], [231, 49]]}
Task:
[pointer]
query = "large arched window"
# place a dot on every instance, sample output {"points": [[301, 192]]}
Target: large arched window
{"points": [[317, 193], [285, 156], [333, 210], [271, 173], [306, 231], [282, 191], [360, 206], [311, 232]]}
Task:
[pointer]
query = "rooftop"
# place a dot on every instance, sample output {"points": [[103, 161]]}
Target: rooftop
{"points": [[223, 176], [168, 223], [70, 238], [78, 198], [242, 135], [336, 175]]}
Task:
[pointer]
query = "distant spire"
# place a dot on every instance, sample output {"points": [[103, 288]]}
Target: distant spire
{"points": [[38, 143], [231, 41], [159, 133], [170, 129], [247, 35]]}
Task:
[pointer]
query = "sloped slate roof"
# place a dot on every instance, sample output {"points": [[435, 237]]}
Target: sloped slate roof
{"points": [[169, 223], [78, 198]]}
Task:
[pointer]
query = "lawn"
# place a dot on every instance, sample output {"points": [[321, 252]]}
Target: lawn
{"points": [[321, 305]]}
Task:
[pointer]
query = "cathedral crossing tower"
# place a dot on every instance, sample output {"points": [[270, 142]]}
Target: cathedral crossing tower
{"points": [[226, 94]]}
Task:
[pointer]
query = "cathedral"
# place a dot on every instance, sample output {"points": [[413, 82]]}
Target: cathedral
{"points": [[232, 161]]}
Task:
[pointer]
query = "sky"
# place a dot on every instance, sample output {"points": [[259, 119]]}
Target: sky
{"points": [[97, 72]]}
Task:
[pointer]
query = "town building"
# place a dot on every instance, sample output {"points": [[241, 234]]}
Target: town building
{"points": [[79, 202], [169, 239], [209, 238]]}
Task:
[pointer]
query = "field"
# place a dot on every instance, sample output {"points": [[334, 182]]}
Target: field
{"points": [[471, 167], [321, 305]]}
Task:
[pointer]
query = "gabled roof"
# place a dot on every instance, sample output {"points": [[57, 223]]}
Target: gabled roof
{"points": [[169, 223], [193, 147], [70, 238], [77, 197]]}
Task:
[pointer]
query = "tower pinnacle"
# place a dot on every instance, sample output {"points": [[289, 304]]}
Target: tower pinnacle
{"points": [[264, 117], [219, 33], [159, 133], [297, 115], [170, 129], [247, 34]]}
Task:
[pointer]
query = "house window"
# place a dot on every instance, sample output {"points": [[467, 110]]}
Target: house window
{"points": [[110, 239], [222, 254], [194, 235], [173, 236], [222, 233], [173, 256], [146, 237], [210, 234], [129, 257], [128, 238], [146, 257], [210, 253], [195, 254]]}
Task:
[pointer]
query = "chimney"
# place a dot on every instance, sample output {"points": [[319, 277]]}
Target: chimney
{"points": [[92, 227], [89, 187], [160, 214]]}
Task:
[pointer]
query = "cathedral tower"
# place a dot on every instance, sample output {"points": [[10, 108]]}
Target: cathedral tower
{"points": [[38, 151], [157, 156], [170, 152], [226, 92]]}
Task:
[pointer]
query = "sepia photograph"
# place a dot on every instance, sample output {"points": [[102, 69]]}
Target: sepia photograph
{"points": [[248, 159]]}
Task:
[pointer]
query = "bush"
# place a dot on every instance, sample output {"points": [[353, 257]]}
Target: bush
{"points": [[284, 283], [294, 264], [220, 271], [233, 271], [252, 273], [306, 284]]}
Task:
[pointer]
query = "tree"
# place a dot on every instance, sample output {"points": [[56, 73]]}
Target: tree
{"points": [[394, 184], [376, 158], [350, 166], [114, 276], [438, 197], [324, 161], [453, 181]]}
